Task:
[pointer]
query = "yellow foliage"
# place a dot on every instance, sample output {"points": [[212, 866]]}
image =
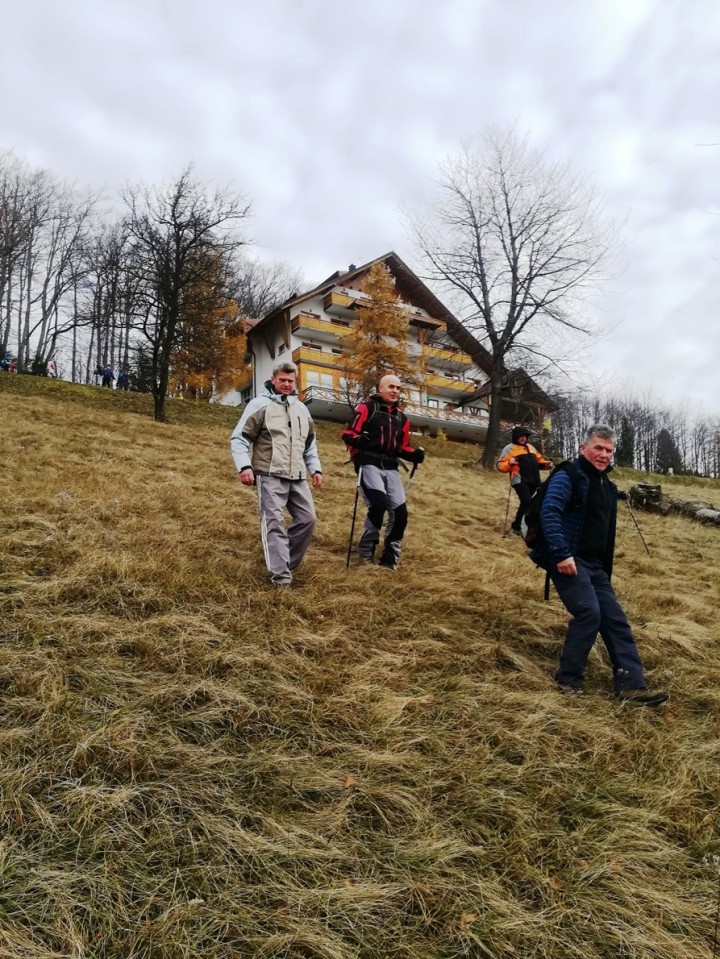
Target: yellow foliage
{"points": [[213, 361], [379, 343]]}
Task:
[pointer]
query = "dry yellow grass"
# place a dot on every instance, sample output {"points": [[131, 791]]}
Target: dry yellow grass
{"points": [[365, 766]]}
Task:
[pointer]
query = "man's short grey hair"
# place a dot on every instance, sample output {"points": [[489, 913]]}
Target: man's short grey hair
{"points": [[285, 367], [600, 430]]}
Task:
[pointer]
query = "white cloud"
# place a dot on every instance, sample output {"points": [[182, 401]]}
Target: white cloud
{"points": [[328, 115]]}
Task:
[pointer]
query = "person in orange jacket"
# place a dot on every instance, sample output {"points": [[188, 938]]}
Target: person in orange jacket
{"points": [[523, 462]]}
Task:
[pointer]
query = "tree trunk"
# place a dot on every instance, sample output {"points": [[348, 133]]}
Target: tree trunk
{"points": [[487, 460]]}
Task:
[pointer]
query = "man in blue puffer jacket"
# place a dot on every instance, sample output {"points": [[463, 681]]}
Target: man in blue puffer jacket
{"points": [[578, 518]]}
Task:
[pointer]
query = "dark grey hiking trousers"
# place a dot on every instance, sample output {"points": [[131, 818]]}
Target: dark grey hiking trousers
{"points": [[284, 548], [384, 493], [591, 601]]}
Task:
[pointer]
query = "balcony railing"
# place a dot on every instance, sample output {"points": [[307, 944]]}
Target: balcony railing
{"points": [[439, 382], [448, 416], [334, 361], [306, 354], [339, 303], [311, 321], [330, 395], [455, 357]]}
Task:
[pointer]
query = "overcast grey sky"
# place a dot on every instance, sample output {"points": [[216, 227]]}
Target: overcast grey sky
{"points": [[329, 116]]}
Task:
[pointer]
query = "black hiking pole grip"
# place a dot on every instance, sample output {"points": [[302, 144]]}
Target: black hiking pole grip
{"points": [[352, 525]]}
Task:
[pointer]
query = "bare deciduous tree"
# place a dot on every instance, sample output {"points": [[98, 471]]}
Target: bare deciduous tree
{"points": [[182, 241], [258, 288], [516, 242], [43, 230]]}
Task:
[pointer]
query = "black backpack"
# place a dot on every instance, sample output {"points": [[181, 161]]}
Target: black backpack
{"points": [[530, 525]]}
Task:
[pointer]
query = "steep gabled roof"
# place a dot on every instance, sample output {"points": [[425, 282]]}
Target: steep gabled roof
{"points": [[411, 287], [518, 388]]}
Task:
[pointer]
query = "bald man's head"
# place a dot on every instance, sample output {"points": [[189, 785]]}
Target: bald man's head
{"points": [[389, 388]]}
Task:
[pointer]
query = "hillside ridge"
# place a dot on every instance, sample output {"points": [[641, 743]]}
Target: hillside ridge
{"points": [[369, 765]]}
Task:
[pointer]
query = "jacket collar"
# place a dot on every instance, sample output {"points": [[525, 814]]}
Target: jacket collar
{"points": [[591, 470], [376, 398], [273, 394]]}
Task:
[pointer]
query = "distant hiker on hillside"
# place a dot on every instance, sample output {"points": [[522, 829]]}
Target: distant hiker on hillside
{"points": [[284, 449], [107, 376], [523, 462], [123, 380], [378, 437], [578, 517]]}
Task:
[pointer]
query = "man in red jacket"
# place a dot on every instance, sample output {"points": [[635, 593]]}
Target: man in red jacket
{"points": [[378, 437]]}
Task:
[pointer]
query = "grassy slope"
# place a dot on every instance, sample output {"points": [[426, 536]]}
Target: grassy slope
{"points": [[368, 765]]}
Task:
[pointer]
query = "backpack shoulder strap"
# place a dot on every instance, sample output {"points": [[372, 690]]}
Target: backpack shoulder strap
{"points": [[569, 467], [372, 405]]}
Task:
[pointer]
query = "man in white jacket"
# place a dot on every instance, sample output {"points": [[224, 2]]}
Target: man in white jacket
{"points": [[280, 431]]}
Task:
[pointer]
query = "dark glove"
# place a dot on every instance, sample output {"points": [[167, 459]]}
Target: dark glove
{"points": [[621, 494], [417, 456]]}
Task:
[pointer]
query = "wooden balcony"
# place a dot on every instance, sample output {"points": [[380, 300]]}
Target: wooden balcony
{"points": [[454, 358], [330, 329], [446, 384], [305, 354], [341, 304]]}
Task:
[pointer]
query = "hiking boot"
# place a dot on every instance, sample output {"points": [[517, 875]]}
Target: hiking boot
{"points": [[570, 690], [642, 696], [366, 560], [387, 562], [280, 579]]}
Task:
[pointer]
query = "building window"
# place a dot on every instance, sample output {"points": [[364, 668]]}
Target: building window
{"points": [[312, 378], [281, 349], [326, 380]]}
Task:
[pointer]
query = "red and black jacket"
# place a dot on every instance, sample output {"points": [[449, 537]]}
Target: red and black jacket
{"points": [[378, 435]]}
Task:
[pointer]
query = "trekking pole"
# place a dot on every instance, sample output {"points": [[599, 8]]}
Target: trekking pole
{"points": [[352, 525], [637, 527], [717, 921], [412, 474], [507, 508]]}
